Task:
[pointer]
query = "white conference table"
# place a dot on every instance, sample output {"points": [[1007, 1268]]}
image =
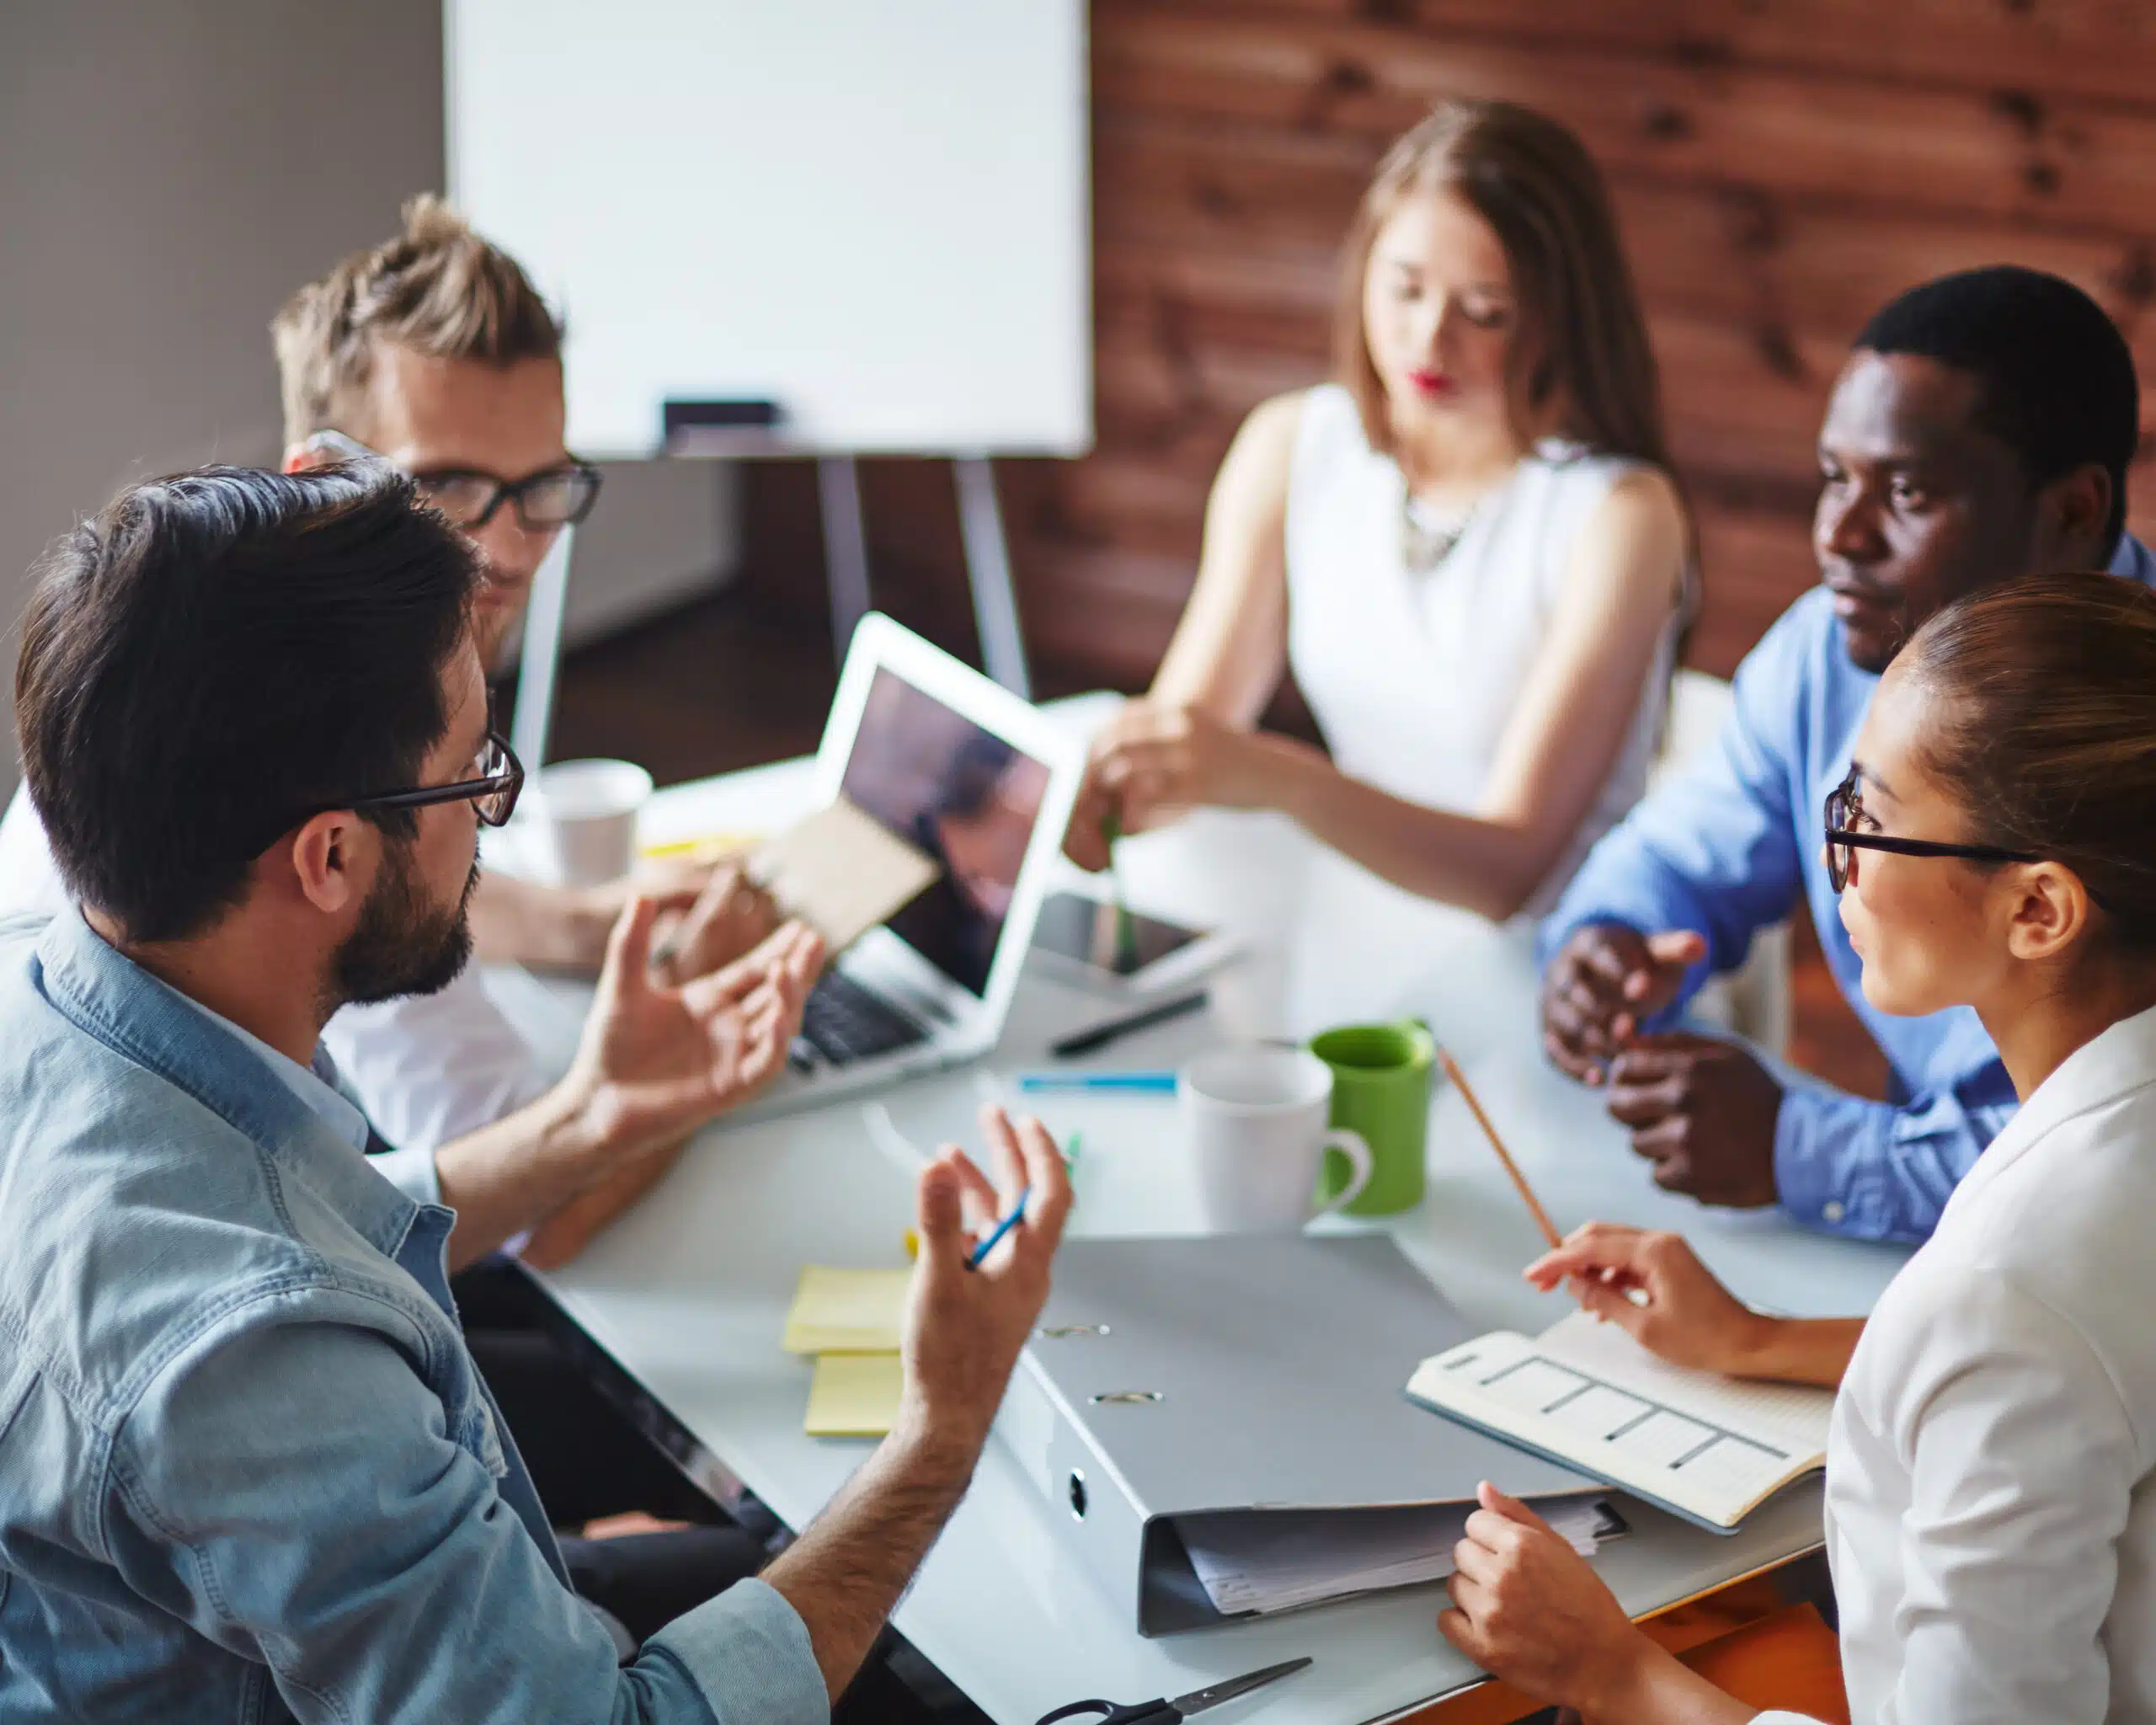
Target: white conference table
{"points": [[688, 1293]]}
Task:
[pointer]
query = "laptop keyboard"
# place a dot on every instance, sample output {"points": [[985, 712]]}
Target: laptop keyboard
{"points": [[843, 1022]]}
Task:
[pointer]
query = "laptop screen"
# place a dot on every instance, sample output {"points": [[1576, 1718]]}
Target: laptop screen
{"points": [[966, 796]]}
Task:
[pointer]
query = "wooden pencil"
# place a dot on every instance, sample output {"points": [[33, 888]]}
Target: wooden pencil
{"points": [[1526, 1192]]}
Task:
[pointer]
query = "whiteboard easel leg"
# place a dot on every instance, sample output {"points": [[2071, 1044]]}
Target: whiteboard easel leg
{"points": [[988, 572], [846, 546], [539, 661]]}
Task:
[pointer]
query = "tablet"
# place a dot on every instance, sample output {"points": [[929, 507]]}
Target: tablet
{"points": [[1076, 933]]}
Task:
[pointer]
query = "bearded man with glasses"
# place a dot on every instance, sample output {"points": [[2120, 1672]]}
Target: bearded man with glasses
{"points": [[433, 354], [248, 1467]]}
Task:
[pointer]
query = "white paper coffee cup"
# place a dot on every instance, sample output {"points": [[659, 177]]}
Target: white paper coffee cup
{"points": [[586, 824]]}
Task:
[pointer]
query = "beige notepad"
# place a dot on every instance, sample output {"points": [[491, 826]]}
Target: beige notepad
{"points": [[1709, 1448], [843, 873], [854, 1396], [847, 1311]]}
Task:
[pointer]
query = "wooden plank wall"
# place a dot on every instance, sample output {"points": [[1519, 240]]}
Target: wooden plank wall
{"points": [[1781, 168]]}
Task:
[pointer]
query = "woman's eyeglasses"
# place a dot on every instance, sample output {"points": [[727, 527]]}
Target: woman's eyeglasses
{"points": [[1845, 807]]}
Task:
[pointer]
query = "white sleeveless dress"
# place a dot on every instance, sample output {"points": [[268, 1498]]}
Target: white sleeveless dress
{"points": [[1412, 678]]}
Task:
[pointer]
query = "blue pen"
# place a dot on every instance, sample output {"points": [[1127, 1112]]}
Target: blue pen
{"points": [[1129, 1083], [1018, 1215]]}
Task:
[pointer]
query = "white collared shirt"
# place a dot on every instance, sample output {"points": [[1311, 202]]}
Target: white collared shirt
{"points": [[427, 1069], [1991, 1519]]}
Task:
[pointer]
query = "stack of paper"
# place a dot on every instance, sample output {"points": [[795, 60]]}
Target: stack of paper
{"points": [[851, 1321], [1277, 1560]]}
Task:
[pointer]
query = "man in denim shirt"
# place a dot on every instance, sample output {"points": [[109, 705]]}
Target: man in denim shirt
{"points": [[247, 1468], [1980, 431]]}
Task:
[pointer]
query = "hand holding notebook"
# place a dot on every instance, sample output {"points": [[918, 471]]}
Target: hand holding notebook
{"points": [[1667, 1425]]}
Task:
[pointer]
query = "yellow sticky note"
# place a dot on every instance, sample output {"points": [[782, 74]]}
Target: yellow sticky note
{"points": [[847, 1311], [854, 1396], [704, 847]]}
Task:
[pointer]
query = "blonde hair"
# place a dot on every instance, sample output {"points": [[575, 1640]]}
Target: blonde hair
{"points": [[1582, 342], [437, 289]]}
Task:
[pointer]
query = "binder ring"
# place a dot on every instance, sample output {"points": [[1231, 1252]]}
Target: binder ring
{"points": [[1057, 1332], [1125, 1398]]}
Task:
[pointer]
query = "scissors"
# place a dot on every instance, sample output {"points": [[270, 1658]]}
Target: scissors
{"points": [[1183, 1706]]}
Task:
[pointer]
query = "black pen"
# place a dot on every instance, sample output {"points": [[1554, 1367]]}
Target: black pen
{"points": [[1101, 1035]]}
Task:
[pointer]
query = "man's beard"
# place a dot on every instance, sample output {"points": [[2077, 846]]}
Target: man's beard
{"points": [[403, 944]]}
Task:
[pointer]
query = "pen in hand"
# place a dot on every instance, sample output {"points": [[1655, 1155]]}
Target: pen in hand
{"points": [[981, 1252]]}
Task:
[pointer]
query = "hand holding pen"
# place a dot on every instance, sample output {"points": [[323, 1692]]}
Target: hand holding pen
{"points": [[985, 1247]]}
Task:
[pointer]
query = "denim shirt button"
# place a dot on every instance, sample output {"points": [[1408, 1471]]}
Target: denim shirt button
{"points": [[1831, 1211]]}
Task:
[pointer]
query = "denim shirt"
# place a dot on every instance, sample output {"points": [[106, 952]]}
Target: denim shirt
{"points": [[247, 1469], [1727, 847]]}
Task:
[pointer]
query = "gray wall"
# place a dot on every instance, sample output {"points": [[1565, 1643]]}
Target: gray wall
{"points": [[169, 171]]}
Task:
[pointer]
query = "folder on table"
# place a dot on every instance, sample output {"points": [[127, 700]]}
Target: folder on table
{"points": [[1239, 1376]]}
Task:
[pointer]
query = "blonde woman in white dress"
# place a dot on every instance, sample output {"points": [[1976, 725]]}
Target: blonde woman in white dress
{"points": [[1469, 551], [1991, 1465]]}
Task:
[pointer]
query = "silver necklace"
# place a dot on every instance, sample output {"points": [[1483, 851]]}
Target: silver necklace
{"points": [[1424, 544]]}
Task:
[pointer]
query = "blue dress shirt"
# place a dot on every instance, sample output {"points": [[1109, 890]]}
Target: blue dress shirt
{"points": [[1725, 848], [247, 1469]]}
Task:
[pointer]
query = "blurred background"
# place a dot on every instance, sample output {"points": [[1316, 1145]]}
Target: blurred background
{"points": [[169, 171]]}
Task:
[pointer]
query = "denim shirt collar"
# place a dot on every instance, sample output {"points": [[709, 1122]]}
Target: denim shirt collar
{"points": [[109, 997]]}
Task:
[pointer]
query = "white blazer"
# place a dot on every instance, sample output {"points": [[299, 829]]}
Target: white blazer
{"points": [[1990, 1518]]}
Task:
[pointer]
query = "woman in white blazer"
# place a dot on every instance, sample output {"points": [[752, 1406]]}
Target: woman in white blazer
{"points": [[1991, 1518]]}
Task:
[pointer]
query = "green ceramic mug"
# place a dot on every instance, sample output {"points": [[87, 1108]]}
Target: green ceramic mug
{"points": [[1380, 1089]]}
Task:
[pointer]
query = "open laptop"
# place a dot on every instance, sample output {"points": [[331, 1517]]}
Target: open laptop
{"points": [[984, 784]]}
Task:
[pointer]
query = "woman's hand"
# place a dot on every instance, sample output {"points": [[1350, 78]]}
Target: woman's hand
{"points": [[1526, 1607], [1654, 1287], [1153, 762], [1154, 758]]}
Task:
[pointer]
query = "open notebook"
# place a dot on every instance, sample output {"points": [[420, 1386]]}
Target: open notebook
{"points": [[1709, 1448]]}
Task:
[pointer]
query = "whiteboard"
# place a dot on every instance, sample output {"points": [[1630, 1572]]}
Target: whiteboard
{"points": [[873, 212]]}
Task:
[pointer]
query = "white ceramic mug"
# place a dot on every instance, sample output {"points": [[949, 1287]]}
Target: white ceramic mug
{"points": [[586, 823], [1255, 1122]]}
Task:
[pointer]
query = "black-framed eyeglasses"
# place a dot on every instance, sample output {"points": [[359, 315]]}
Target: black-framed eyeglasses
{"points": [[496, 781], [554, 498], [492, 790], [1845, 805]]}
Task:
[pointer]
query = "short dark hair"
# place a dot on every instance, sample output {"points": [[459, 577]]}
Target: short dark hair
{"points": [[218, 652], [2057, 377]]}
